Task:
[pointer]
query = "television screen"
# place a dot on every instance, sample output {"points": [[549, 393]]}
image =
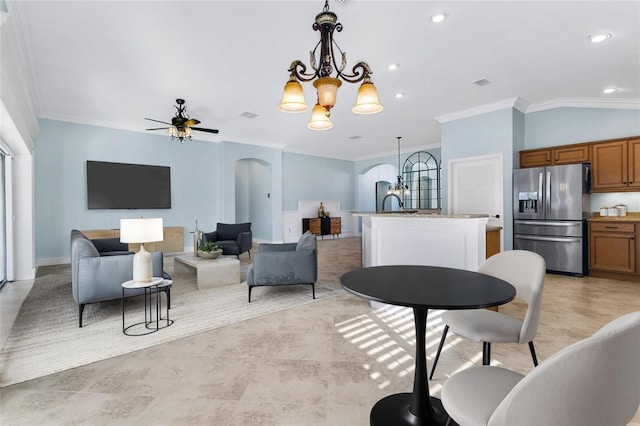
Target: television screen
{"points": [[128, 186]]}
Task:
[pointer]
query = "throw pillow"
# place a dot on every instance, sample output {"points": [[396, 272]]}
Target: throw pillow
{"points": [[307, 241]]}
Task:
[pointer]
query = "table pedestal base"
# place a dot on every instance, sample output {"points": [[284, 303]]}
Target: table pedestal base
{"points": [[393, 410]]}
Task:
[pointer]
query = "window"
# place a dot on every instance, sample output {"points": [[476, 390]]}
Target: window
{"points": [[422, 174]]}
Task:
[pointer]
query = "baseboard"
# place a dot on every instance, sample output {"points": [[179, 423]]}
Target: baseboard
{"points": [[53, 261]]}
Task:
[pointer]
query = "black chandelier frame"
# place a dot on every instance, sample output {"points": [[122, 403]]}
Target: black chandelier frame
{"points": [[327, 22]]}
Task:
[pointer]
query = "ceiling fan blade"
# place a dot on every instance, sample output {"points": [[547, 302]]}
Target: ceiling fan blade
{"points": [[202, 129], [157, 121], [191, 122], [158, 128]]}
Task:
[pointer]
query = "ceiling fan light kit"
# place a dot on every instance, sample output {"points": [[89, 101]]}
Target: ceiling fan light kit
{"points": [[327, 85], [182, 126]]}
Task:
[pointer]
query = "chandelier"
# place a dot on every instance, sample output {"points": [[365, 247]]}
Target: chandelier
{"points": [[400, 186], [325, 84]]}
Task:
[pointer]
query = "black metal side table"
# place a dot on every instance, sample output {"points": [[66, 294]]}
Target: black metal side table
{"points": [[150, 324]]}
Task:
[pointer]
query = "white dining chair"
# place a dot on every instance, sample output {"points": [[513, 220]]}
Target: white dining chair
{"points": [[593, 382], [523, 269]]}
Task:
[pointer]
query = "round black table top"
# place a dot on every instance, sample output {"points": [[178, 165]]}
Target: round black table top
{"points": [[430, 287]]}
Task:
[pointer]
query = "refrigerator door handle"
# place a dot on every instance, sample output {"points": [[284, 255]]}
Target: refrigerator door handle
{"points": [[539, 223], [552, 239], [541, 194], [548, 193]]}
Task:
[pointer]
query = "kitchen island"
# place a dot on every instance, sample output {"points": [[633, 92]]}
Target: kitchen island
{"points": [[416, 238]]}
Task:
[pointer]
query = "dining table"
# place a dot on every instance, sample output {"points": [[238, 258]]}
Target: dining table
{"points": [[422, 288]]}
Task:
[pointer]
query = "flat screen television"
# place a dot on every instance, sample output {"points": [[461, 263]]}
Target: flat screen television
{"points": [[128, 186]]}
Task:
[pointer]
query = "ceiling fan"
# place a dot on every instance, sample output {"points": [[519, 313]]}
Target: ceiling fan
{"points": [[181, 125]]}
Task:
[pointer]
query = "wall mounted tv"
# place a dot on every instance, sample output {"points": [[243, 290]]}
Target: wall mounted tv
{"points": [[128, 186]]}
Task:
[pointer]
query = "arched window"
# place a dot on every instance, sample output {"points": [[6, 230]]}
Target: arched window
{"points": [[422, 174]]}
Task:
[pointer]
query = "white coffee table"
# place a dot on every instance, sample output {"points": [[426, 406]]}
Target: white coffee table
{"points": [[150, 325], [209, 272]]}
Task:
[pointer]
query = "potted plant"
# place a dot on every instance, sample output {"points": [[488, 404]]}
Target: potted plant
{"points": [[209, 250]]}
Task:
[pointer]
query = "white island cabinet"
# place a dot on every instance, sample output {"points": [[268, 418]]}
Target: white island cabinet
{"points": [[454, 241]]}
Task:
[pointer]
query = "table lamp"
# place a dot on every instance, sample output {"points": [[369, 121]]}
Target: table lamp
{"points": [[141, 231]]}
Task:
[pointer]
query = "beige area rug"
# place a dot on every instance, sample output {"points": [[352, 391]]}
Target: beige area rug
{"points": [[46, 339]]}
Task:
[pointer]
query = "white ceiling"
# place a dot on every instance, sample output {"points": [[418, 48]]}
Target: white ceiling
{"points": [[114, 63]]}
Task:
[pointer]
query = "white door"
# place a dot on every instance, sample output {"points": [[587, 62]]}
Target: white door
{"points": [[475, 187]]}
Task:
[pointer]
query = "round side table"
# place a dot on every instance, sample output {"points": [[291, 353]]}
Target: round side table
{"points": [[149, 325]]}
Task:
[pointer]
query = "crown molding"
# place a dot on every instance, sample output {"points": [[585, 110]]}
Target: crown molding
{"points": [[526, 108], [628, 103], [516, 102]]}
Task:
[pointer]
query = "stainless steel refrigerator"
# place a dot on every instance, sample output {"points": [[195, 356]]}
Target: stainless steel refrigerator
{"points": [[550, 207]]}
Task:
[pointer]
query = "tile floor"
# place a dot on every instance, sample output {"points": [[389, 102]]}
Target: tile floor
{"points": [[325, 363]]}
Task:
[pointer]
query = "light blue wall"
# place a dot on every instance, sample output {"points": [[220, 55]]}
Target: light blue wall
{"points": [[205, 178], [564, 126], [317, 178], [272, 158], [490, 133], [62, 150]]}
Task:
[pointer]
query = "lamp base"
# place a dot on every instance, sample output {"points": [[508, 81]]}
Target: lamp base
{"points": [[142, 266]]}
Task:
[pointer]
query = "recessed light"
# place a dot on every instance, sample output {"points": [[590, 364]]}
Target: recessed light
{"points": [[392, 67], [399, 95], [598, 38], [438, 17], [610, 90]]}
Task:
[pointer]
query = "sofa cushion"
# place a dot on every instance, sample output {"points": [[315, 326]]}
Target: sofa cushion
{"points": [[106, 245], [307, 242]]}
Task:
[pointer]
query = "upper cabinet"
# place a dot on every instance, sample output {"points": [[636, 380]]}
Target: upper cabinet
{"points": [[568, 154], [616, 166]]}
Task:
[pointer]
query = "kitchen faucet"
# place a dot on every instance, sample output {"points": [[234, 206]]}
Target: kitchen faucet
{"points": [[400, 203]]}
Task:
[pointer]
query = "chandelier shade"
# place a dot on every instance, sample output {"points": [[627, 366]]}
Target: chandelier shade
{"points": [[293, 97], [325, 83], [319, 119], [180, 133], [367, 101], [327, 88]]}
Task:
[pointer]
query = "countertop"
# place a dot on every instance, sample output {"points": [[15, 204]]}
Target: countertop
{"points": [[411, 214], [630, 217]]}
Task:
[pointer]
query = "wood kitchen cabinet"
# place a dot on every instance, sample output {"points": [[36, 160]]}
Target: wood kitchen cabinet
{"points": [[614, 250], [535, 158], [567, 154], [616, 166], [492, 244]]}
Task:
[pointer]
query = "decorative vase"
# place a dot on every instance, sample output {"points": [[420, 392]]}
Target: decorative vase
{"points": [[196, 239], [321, 210], [209, 254]]}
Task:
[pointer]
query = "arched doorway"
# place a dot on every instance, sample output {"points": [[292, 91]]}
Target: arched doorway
{"points": [[253, 196]]}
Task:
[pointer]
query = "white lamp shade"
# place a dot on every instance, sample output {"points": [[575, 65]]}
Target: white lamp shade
{"points": [[141, 230]]}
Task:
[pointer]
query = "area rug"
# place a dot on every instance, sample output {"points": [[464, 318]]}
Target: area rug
{"points": [[46, 339]]}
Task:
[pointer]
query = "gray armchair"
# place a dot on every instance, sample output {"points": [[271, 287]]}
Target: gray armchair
{"points": [[285, 264], [233, 238], [96, 278]]}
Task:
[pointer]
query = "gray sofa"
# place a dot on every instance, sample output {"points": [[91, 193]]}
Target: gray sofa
{"points": [[233, 238], [97, 277], [285, 264]]}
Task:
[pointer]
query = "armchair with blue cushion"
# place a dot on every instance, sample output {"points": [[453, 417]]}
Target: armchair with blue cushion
{"points": [[285, 264], [233, 238]]}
